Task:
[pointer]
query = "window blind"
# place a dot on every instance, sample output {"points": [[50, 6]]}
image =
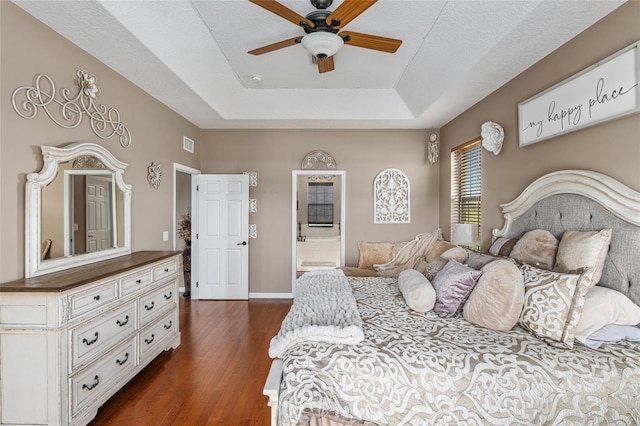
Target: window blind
{"points": [[466, 183]]}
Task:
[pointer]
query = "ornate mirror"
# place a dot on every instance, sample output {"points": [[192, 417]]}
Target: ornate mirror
{"points": [[78, 209]]}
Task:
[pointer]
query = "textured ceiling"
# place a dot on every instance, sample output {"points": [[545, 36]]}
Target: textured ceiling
{"points": [[192, 56]]}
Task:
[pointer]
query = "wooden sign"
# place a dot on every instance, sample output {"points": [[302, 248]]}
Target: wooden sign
{"points": [[608, 89]]}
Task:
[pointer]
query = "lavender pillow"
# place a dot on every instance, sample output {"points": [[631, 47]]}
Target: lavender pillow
{"points": [[453, 285]]}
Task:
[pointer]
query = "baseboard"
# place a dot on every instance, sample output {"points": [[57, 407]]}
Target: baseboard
{"points": [[270, 295]]}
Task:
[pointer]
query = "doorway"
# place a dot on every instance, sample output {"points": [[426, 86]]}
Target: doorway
{"points": [[318, 211], [182, 176]]}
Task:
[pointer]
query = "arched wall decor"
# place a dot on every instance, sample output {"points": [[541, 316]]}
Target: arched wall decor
{"points": [[318, 160], [391, 197], [105, 122]]}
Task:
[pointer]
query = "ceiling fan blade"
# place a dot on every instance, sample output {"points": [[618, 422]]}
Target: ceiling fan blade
{"points": [[368, 41], [275, 46], [325, 64], [348, 11], [282, 11]]}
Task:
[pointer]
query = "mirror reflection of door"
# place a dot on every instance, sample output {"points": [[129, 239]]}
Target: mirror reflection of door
{"points": [[319, 220], [90, 216], [98, 213]]}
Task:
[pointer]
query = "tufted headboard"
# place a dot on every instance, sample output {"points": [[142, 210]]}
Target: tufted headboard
{"points": [[582, 200]]}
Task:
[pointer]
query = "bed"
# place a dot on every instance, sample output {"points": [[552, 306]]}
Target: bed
{"points": [[414, 367]]}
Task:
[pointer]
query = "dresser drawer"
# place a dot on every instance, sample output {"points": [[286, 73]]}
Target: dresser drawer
{"points": [[136, 281], [152, 337], [92, 299], [166, 269], [101, 334], [94, 382], [155, 303]]}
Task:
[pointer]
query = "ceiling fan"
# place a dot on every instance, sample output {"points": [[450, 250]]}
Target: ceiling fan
{"points": [[323, 30]]}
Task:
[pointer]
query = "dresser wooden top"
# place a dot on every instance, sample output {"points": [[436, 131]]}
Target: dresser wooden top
{"points": [[75, 277]]}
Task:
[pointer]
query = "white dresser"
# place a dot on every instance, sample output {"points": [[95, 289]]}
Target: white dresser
{"points": [[69, 340]]}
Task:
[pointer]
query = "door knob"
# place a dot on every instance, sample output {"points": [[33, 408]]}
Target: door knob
{"points": [[244, 243]]}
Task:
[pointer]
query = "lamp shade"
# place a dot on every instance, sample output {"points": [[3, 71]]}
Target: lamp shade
{"points": [[464, 234], [322, 43]]}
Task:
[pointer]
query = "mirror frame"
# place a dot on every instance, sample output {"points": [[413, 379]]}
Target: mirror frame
{"points": [[294, 213], [52, 157]]}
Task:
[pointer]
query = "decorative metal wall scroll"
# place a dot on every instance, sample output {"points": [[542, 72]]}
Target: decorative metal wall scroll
{"points": [[253, 205], [391, 197], [253, 230], [105, 122], [318, 160], [155, 175]]}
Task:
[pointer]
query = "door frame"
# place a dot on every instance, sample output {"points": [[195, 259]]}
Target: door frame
{"points": [[294, 215], [177, 167]]}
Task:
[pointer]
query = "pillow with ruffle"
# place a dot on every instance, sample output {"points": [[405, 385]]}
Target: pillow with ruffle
{"points": [[553, 303]]}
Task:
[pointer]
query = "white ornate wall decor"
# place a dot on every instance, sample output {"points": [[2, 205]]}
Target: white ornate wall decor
{"points": [[253, 230], [105, 122], [492, 137], [155, 175], [253, 205], [253, 178], [391, 197], [318, 160], [433, 148]]}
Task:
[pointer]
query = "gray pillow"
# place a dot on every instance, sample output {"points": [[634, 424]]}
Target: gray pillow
{"points": [[453, 284]]}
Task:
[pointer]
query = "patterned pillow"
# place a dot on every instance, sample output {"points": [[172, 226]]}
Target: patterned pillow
{"points": [[553, 303], [453, 284], [581, 249], [537, 247]]}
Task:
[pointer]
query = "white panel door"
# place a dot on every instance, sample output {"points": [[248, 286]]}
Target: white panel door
{"points": [[220, 250]]}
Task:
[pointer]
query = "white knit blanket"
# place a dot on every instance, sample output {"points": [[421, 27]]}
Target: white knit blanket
{"points": [[324, 310]]}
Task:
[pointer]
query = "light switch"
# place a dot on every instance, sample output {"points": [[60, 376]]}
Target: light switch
{"points": [[165, 235]]}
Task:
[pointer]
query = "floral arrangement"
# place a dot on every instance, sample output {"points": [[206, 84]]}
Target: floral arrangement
{"points": [[184, 228]]}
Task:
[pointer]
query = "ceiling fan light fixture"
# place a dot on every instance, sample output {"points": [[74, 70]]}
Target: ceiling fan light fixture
{"points": [[322, 43]]}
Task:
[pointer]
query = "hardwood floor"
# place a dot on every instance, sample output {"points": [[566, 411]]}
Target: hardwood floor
{"points": [[216, 375]]}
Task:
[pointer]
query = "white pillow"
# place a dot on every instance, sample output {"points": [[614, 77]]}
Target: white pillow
{"points": [[603, 306], [416, 290]]}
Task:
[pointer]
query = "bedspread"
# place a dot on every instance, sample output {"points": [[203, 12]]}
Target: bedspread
{"points": [[417, 369]]}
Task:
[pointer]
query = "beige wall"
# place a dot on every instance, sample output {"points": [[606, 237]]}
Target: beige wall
{"points": [[612, 148], [273, 154], [28, 48]]}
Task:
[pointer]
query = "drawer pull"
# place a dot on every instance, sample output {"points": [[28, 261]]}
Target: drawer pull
{"points": [[168, 296], [138, 281], [166, 269], [96, 298], [126, 358], [148, 308], [93, 385], [126, 321], [90, 342], [168, 326], [148, 341]]}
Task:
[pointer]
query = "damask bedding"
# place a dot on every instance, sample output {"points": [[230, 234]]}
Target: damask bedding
{"points": [[417, 368]]}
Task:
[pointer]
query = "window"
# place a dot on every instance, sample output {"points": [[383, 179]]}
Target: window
{"points": [[320, 204], [466, 183]]}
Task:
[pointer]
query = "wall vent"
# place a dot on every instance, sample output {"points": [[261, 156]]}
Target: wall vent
{"points": [[188, 144]]}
